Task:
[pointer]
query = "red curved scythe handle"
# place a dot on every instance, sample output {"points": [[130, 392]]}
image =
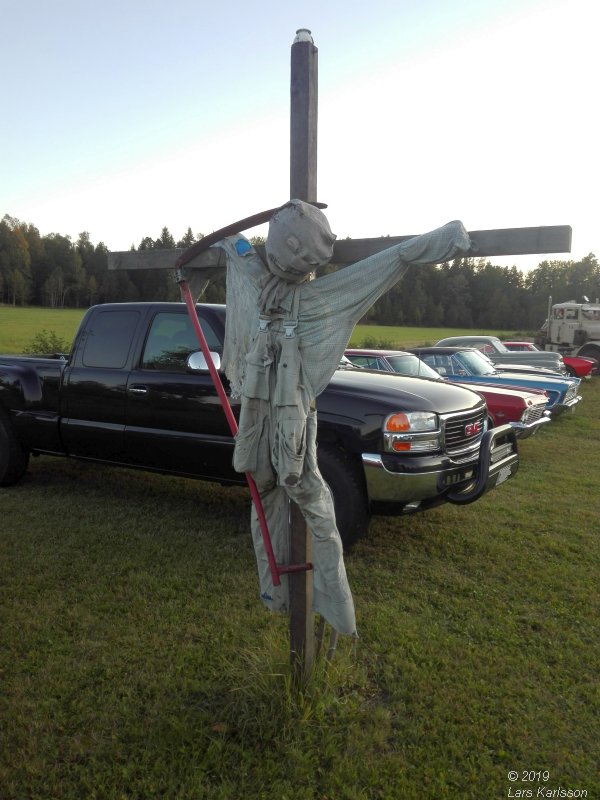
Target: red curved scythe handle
{"points": [[254, 493]]}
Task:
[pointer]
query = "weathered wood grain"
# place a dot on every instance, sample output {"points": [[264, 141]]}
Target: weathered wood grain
{"points": [[495, 242]]}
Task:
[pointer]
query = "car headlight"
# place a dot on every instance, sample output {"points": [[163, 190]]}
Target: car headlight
{"points": [[414, 432]]}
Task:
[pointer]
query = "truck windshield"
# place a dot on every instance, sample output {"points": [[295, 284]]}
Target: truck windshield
{"points": [[591, 313]]}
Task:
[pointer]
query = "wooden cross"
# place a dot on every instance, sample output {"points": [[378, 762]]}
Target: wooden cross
{"points": [[303, 186], [494, 242]]}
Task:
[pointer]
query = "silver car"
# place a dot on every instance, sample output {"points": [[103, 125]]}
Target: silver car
{"points": [[500, 355]]}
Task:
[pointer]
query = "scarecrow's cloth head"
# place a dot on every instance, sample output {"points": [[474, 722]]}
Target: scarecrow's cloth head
{"points": [[299, 241]]}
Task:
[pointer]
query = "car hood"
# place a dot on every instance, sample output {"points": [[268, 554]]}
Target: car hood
{"points": [[531, 379], [555, 387], [530, 393], [532, 369], [401, 392]]}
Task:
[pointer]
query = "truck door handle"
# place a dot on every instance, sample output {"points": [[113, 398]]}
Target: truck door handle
{"points": [[137, 388]]}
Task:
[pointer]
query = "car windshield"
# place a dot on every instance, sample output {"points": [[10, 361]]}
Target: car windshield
{"points": [[345, 363], [411, 365], [499, 347], [474, 362], [523, 347]]}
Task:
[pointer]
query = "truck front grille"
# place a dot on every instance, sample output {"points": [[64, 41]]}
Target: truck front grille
{"points": [[463, 432]]}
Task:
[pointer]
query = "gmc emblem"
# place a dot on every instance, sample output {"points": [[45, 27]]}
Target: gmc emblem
{"points": [[472, 428]]}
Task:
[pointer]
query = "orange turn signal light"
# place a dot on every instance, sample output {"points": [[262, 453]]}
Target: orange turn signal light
{"points": [[397, 423], [401, 446]]}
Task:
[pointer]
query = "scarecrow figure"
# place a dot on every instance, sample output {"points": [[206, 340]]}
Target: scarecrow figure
{"points": [[285, 335]]}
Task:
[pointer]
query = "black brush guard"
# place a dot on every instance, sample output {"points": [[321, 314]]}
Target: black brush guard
{"points": [[498, 461]]}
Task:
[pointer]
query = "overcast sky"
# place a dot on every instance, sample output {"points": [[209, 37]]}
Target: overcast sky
{"points": [[122, 116]]}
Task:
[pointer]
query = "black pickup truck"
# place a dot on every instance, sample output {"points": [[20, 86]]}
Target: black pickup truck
{"points": [[134, 391]]}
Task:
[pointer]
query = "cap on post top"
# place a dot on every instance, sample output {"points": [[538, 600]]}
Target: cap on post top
{"points": [[303, 35]]}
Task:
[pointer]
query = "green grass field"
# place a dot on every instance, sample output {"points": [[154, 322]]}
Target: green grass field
{"points": [[18, 326], [136, 660], [388, 337]]}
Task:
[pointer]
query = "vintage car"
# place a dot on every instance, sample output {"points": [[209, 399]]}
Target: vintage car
{"points": [[524, 409], [468, 365], [576, 366], [501, 356]]}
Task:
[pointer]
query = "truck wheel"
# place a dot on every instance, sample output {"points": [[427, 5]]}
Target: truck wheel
{"points": [[347, 485], [13, 459]]}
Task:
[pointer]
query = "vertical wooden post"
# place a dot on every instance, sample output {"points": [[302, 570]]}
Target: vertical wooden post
{"points": [[303, 117], [302, 635], [303, 186]]}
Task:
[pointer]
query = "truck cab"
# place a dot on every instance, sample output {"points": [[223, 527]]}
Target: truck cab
{"points": [[572, 329]]}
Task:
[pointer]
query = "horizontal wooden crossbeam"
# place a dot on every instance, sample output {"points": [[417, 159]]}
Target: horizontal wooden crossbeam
{"points": [[495, 242]]}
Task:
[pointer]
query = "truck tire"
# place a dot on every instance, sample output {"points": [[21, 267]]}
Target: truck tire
{"points": [[345, 479], [13, 459]]}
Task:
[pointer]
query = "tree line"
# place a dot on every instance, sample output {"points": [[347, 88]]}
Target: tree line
{"points": [[55, 271]]}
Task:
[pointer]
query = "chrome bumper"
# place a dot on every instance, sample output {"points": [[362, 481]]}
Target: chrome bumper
{"points": [[569, 405], [455, 483], [526, 429]]}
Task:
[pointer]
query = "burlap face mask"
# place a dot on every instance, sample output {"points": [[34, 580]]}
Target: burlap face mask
{"points": [[299, 241]]}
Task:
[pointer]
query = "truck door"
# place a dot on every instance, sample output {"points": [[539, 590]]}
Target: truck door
{"points": [[174, 418], [566, 321], [94, 392]]}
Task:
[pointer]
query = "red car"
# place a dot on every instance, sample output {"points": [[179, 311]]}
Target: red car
{"points": [[577, 366], [524, 409]]}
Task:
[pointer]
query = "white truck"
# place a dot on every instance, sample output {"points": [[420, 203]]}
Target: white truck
{"points": [[572, 329]]}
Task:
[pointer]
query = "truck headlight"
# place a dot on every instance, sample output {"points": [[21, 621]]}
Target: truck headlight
{"points": [[414, 432], [415, 421]]}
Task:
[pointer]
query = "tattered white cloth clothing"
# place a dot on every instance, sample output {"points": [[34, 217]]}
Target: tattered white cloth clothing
{"points": [[283, 342]]}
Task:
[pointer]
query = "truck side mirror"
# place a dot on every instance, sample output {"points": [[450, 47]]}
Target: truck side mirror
{"points": [[197, 363]]}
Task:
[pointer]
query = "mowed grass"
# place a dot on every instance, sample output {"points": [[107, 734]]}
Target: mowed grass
{"points": [[400, 338], [18, 325], [136, 660]]}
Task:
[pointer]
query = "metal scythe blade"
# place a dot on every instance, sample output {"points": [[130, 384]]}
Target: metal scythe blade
{"points": [[235, 227]]}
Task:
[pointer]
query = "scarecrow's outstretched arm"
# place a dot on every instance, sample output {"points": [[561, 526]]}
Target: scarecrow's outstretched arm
{"points": [[351, 291]]}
